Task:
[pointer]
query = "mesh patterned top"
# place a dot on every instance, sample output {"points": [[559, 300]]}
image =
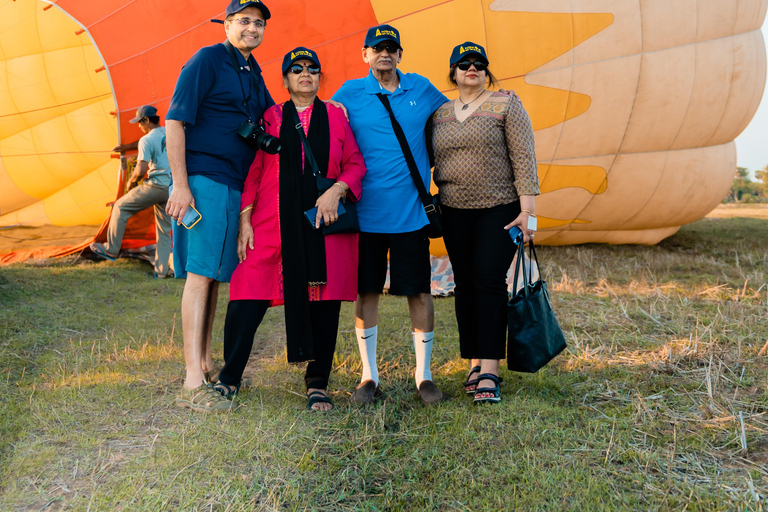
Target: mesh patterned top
{"points": [[488, 159]]}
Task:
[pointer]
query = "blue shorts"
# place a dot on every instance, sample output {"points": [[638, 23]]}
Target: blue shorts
{"points": [[210, 248]]}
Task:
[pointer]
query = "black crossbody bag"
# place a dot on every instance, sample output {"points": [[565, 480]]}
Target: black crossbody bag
{"points": [[347, 221], [431, 203]]}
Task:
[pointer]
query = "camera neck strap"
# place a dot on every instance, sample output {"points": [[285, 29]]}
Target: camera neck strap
{"points": [[426, 199], [255, 80]]}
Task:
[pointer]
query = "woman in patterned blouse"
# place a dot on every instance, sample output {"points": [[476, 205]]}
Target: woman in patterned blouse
{"points": [[485, 167]]}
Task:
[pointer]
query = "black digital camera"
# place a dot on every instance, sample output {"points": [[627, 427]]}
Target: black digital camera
{"points": [[255, 136]]}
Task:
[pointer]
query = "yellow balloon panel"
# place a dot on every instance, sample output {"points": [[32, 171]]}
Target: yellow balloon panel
{"points": [[27, 29], [645, 236], [11, 196], [705, 104], [40, 87], [615, 207], [33, 215], [692, 184], [429, 56], [612, 87], [58, 152], [56, 130], [82, 203], [747, 85], [663, 96]]}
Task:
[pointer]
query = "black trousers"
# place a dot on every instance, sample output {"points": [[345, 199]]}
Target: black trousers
{"points": [[244, 318], [481, 251]]}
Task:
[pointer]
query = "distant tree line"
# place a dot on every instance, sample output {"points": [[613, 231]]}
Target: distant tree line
{"points": [[744, 190]]}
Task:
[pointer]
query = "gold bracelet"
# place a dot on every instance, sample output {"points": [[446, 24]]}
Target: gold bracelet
{"points": [[343, 192], [528, 212], [246, 209]]}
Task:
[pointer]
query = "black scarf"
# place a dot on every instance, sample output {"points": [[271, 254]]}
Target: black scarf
{"points": [[303, 248]]}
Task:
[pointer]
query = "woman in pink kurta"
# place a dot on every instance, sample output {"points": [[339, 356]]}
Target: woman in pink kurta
{"points": [[281, 253]]}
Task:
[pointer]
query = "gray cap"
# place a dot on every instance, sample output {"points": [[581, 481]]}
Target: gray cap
{"points": [[142, 112]]}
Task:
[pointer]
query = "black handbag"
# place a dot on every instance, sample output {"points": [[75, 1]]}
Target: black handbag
{"points": [[347, 221], [431, 203], [535, 337]]}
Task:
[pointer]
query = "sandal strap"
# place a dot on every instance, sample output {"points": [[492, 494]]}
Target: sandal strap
{"points": [[204, 396], [472, 382], [316, 397], [490, 376], [220, 386]]}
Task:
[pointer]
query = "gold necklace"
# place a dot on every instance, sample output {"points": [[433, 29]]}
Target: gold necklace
{"points": [[466, 105]]}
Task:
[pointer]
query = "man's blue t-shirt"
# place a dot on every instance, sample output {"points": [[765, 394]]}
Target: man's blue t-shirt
{"points": [[209, 98], [390, 202]]}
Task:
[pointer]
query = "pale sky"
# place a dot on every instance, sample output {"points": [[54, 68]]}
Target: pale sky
{"points": [[752, 144]]}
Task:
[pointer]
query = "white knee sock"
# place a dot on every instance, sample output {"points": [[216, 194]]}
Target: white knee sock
{"points": [[422, 345], [366, 342]]}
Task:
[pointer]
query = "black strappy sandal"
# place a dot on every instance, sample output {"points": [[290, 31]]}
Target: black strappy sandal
{"points": [[225, 391], [318, 397], [495, 391], [470, 386]]}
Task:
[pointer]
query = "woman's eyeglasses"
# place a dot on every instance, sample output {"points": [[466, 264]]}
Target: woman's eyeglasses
{"points": [[296, 69], [465, 65]]}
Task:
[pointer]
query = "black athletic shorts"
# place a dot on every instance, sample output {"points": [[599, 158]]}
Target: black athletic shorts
{"points": [[410, 271]]}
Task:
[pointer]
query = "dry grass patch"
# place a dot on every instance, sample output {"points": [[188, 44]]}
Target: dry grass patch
{"points": [[659, 403]]}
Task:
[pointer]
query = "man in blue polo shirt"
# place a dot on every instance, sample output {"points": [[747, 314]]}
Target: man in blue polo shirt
{"points": [[219, 92], [391, 215]]}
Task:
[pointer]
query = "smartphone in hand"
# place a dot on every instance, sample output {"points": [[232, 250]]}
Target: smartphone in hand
{"points": [[517, 235], [191, 218]]}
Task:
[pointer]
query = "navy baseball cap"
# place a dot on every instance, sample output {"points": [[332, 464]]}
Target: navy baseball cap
{"points": [[299, 53], [142, 112], [236, 6], [467, 49], [380, 34]]}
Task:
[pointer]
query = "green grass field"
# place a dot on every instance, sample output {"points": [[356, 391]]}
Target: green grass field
{"points": [[659, 403]]}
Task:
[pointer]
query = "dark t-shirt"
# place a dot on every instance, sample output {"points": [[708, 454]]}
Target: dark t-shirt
{"points": [[209, 100]]}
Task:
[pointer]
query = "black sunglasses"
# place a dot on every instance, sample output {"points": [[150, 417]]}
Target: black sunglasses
{"points": [[296, 69], [465, 65], [389, 48]]}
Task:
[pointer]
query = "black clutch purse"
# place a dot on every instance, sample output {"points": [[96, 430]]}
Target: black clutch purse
{"points": [[535, 337], [347, 221]]}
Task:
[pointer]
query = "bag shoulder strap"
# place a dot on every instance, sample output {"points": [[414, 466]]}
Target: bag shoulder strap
{"points": [[426, 199], [305, 143]]}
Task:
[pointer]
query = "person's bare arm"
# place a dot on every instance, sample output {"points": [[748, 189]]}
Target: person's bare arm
{"points": [[122, 148], [181, 196]]}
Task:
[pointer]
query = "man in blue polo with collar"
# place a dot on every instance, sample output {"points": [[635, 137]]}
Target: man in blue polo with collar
{"points": [[391, 215], [219, 93]]}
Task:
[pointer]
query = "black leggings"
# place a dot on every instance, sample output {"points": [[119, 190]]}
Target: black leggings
{"points": [[244, 318], [481, 252]]}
